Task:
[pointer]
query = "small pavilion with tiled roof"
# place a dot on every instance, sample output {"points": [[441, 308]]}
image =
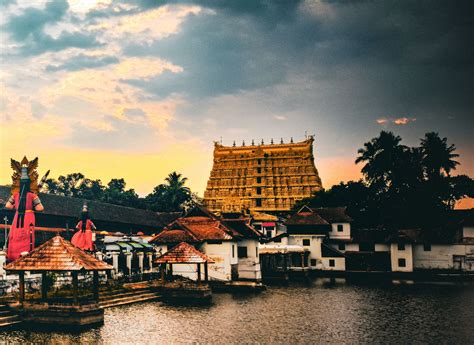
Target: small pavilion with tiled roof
{"points": [[58, 255], [184, 253]]}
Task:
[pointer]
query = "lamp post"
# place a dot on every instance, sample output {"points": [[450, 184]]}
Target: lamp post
{"points": [[6, 233]]}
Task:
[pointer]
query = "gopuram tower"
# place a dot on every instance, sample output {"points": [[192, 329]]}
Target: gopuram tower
{"points": [[261, 178]]}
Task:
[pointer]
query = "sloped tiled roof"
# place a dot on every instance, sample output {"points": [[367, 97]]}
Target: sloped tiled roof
{"points": [[306, 218], [206, 229], [333, 214], [241, 227], [57, 254], [183, 253], [58, 205], [174, 236]]}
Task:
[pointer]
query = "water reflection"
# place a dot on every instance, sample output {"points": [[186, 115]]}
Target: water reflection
{"points": [[321, 311]]}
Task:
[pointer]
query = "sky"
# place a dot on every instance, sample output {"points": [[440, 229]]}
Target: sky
{"points": [[140, 88]]}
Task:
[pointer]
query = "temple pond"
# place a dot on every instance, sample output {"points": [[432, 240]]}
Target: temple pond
{"points": [[319, 312]]}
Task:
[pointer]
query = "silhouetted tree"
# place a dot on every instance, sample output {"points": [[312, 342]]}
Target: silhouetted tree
{"points": [[171, 195], [402, 186]]}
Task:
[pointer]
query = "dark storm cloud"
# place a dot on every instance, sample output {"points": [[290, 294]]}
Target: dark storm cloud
{"points": [[410, 56], [83, 61], [33, 20], [27, 28], [41, 43]]}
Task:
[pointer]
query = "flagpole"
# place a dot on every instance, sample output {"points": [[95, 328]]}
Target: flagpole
{"points": [[6, 233]]}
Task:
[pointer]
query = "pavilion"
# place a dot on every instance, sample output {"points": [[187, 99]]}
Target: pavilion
{"points": [[59, 255], [184, 253]]}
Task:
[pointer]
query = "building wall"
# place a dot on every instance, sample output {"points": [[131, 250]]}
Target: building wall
{"points": [[344, 234], [339, 264], [249, 267], [382, 247], [314, 247], [224, 255], [468, 232], [220, 253], [406, 254], [441, 256]]}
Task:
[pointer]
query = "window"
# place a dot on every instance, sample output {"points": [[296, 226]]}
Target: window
{"points": [[269, 232], [259, 190], [259, 180], [258, 202], [306, 242], [259, 170], [340, 228], [427, 247], [313, 262], [401, 246], [257, 226], [332, 263], [233, 251], [402, 263], [259, 161], [277, 240], [342, 246], [242, 252]]}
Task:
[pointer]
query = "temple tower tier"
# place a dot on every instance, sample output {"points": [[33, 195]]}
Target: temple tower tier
{"points": [[261, 178]]}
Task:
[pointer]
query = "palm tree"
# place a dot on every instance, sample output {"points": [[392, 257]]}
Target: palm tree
{"points": [[382, 157], [175, 188], [171, 195], [437, 156]]}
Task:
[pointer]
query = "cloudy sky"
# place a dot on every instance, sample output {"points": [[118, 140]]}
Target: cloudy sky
{"points": [[137, 89]]}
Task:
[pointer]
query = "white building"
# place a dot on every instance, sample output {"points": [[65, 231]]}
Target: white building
{"points": [[231, 243], [309, 229]]}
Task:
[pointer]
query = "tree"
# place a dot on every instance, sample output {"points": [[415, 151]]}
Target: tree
{"points": [[115, 193], [171, 195], [402, 186], [381, 156], [437, 156]]}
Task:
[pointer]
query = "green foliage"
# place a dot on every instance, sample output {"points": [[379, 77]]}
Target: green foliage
{"points": [[402, 186], [173, 195]]}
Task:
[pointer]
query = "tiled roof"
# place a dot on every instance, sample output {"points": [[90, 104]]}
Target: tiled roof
{"points": [[242, 228], [58, 205], [260, 217], [205, 228], [306, 218], [174, 236], [333, 214], [57, 255], [183, 253]]}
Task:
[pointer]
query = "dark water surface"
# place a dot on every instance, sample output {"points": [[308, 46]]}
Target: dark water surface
{"points": [[315, 313]]}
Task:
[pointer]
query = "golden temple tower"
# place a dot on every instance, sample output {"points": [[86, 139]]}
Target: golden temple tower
{"points": [[261, 178]]}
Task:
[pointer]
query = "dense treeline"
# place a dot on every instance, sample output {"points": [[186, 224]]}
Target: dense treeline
{"points": [[170, 196], [402, 186]]}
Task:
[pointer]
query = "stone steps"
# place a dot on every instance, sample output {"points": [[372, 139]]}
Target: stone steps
{"points": [[8, 317], [128, 298]]}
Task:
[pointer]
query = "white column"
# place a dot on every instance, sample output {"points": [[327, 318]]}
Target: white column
{"points": [[115, 262], [140, 261], [99, 256], [129, 262], [150, 260]]}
